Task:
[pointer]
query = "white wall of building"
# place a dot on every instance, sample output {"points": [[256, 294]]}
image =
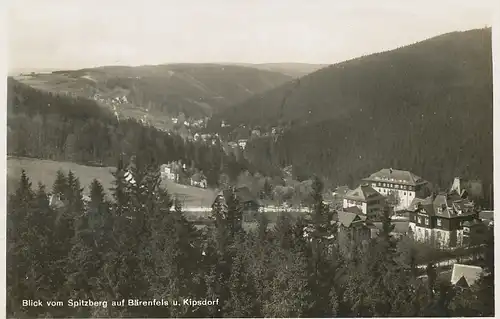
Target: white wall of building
{"points": [[361, 205], [405, 196], [426, 235]]}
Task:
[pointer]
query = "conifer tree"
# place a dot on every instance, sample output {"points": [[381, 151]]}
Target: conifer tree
{"points": [[60, 185]]}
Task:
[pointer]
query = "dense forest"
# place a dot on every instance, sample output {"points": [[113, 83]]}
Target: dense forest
{"points": [[140, 246], [425, 107], [56, 127]]}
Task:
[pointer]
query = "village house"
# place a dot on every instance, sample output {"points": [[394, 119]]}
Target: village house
{"points": [[250, 204], [242, 143], [465, 276], [446, 220], [367, 199], [404, 186], [353, 229], [199, 180], [170, 171]]}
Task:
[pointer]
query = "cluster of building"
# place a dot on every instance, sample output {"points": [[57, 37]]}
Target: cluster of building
{"points": [[448, 219], [176, 171]]}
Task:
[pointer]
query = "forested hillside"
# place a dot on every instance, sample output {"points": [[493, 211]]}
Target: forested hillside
{"points": [[295, 70], [197, 90], [426, 108], [50, 126]]}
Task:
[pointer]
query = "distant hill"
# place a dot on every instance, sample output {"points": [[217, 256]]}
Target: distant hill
{"points": [[162, 91], [426, 107], [292, 69]]}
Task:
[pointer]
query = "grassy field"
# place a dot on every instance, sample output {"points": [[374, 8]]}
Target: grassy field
{"points": [[44, 171]]}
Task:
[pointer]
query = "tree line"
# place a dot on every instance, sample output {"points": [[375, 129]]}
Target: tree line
{"points": [[139, 245]]}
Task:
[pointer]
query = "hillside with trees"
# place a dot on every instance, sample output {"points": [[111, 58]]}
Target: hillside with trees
{"points": [[196, 90], [63, 128], [295, 70], [140, 248], [426, 107]]}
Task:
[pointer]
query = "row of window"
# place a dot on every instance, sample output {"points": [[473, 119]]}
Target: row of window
{"points": [[396, 186], [353, 202], [387, 191], [426, 221]]}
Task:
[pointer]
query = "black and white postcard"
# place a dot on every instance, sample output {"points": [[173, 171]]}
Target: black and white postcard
{"points": [[239, 159]]}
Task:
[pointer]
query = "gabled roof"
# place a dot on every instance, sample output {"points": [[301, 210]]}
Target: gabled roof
{"points": [[423, 205], [465, 274], [396, 176], [362, 193], [354, 209], [447, 205], [346, 219], [452, 205]]}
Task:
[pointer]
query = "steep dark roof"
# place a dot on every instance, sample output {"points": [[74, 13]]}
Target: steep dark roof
{"points": [[443, 205], [396, 176], [346, 219], [353, 209], [452, 205], [362, 193], [423, 205], [465, 274]]}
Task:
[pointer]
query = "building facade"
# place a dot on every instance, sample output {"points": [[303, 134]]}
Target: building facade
{"points": [[399, 186], [366, 198], [353, 230], [444, 220]]}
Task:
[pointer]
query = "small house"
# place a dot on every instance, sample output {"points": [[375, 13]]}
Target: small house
{"points": [[465, 276]]}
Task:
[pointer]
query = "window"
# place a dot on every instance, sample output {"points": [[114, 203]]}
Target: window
{"points": [[420, 220], [426, 221], [439, 223], [404, 193]]}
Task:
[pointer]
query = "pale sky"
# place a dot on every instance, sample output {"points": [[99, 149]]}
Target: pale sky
{"points": [[83, 33]]}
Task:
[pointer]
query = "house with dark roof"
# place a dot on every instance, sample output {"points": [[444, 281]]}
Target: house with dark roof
{"points": [[367, 199], [465, 276], [248, 202], [446, 220], [404, 186], [353, 229]]}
